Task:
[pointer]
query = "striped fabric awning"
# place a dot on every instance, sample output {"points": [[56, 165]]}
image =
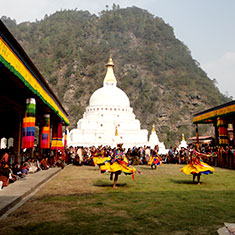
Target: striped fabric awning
{"points": [[209, 116], [13, 61]]}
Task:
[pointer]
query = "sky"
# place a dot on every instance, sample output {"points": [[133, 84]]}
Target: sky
{"points": [[206, 27]]}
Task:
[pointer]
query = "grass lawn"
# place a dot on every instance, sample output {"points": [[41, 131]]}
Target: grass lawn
{"points": [[80, 200]]}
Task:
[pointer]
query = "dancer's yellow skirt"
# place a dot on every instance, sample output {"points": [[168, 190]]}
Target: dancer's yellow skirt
{"points": [[202, 167], [119, 165]]}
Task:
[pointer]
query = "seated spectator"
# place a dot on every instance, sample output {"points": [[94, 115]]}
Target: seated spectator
{"points": [[44, 164], [32, 166], [4, 176], [16, 170], [76, 161], [12, 176], [24, 169], [51, 161], [60, 163]]}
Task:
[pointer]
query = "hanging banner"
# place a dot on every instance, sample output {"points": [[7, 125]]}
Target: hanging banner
{"points": [[197, 134], [223, 131], [29, 124], [57, 142], [45, 133]]}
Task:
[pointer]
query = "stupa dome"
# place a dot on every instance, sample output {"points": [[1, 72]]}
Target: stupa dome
{"points": [[108, 118], [109, 96]]}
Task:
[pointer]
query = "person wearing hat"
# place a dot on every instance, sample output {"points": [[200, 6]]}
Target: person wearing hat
{"points": [[115, 162]]}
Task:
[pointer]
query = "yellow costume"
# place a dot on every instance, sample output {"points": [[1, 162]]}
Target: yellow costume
{"points": [[118, 162], [197, 166]]}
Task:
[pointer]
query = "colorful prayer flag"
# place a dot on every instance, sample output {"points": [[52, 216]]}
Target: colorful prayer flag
{"points": [[29, 124], [57, 142], [45, 133], [223, 131]]}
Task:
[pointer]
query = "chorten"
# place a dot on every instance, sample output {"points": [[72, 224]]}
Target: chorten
{"points": [[108, 119], [153, 141], [183, 143]]}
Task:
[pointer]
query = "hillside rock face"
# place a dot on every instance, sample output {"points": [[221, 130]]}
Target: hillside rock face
{"points": [[156, 70]]}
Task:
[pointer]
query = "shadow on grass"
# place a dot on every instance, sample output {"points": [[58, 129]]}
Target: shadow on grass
{"points": [[109, 185], [182, 181]]}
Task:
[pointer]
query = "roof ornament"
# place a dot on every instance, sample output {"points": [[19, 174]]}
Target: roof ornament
{"points": [[116, 130], [110, 61], [110, 79], [153, 130]]}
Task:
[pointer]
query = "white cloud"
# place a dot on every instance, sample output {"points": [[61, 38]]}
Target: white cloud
{"points": [[223, 70]]}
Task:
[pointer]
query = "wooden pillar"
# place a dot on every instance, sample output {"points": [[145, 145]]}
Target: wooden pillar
{"points": [[234, 133], [20, 134], [197, 135], [216, 133], [17, 138]]}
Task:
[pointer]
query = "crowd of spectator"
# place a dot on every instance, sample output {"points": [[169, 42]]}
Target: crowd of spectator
{"points": [[214, 155], [83, 155], [14, 168], [30, 162], [220, 156]]}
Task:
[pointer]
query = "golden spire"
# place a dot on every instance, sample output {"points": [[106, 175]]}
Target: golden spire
{"points": [[110, 77], [153, 130], [110, 62], [183, 137], [116, 131]]}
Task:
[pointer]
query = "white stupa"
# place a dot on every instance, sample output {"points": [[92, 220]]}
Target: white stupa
{"points": [[183, 143], [153, 141], [109, 119]]}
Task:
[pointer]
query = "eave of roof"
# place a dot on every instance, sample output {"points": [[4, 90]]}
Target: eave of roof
{"points": [[209, 115], [17, 61]]}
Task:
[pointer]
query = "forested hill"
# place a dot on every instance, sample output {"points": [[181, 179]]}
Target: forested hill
{"points": [[166, 86]]}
